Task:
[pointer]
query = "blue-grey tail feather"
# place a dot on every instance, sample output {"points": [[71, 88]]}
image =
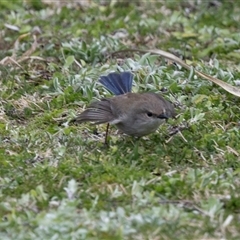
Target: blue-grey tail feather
{"points": [[118, 83]]}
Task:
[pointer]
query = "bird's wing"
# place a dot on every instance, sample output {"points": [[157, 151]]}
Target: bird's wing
{"points": [[97, 112]]}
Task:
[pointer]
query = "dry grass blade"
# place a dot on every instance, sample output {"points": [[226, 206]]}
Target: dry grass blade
{"points": [[25, 56], [229, 88], [31, 50], [16, 45]]}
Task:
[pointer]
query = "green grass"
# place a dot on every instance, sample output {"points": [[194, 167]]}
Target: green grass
{"points": [[59, 180]]}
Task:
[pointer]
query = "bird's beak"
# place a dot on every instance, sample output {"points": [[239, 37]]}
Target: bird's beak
{"points": [[162, 116]]}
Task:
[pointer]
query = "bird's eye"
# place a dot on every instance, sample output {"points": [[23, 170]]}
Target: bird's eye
{"points": [[149, 114]]}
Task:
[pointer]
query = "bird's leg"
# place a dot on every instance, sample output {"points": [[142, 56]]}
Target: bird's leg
{"points": [[106, 135]]}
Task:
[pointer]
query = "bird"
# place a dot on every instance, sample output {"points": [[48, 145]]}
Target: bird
{"points": [[135, 114]]}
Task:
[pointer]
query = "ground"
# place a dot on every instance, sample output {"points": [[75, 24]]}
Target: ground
{"points": [[59, 181]]}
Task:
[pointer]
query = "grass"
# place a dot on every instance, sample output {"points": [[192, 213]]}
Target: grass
{"points": [[59, 181]]}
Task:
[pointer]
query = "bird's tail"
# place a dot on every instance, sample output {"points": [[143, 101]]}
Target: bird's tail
{"points": [[118, 83]]}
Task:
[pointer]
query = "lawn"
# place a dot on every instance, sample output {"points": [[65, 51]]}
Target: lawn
{"points": [[59, 180]]}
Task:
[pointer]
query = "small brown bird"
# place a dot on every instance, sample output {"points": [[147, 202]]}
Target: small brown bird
{"points": [[136, 114]]}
